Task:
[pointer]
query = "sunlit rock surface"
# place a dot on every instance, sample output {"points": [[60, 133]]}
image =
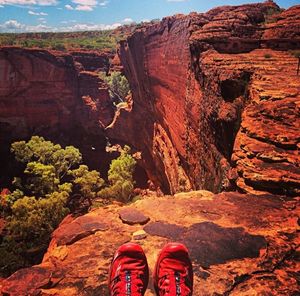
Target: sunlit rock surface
{"points": [[239, 245], [200, 80]]}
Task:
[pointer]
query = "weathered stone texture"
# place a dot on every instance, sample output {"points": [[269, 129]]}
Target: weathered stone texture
{"points": [[239, 245], [195, 81]]}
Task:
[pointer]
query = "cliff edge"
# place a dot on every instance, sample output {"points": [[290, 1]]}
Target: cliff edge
{"points": [[207, 89]]}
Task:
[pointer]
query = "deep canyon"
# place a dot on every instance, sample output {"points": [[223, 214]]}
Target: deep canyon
{"points": [[215, 107]]}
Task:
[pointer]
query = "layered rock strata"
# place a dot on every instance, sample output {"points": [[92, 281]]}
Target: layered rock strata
{"points": [[191, 78], [43, 91], [54, 95], [197, 82], [239, 245]]}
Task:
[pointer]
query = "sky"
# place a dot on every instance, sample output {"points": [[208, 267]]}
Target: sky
{"points": [[75, 15]]}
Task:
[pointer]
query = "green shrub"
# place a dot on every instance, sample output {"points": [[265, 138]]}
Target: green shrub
{"points": [[41, 198], [39, 202], [88, 182], [295, 53], [60, 47], [10, 199], [267, 56], [118, 85], [33, 219], [120, 177], [37, 149]]}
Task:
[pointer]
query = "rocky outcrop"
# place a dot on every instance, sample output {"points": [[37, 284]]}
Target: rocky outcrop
{"points": [[197, 82], [192, 78], [266, 150], [37, 91], [55, 95], [239, 245], [45, 92], [92, 61]]}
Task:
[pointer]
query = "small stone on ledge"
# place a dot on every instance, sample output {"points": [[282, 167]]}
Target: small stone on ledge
{"points": [[132, 216], [139, 235]]}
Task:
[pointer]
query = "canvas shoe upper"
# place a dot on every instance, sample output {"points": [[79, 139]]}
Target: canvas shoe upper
{"points": [[173, 273], [129, 271]]}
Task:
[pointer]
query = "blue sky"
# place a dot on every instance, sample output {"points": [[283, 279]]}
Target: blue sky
{"points": [[70, 15]]}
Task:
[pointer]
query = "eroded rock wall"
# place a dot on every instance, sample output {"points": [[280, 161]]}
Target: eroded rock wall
{"points": [[187, 110], [53, 95], [37, 91], [194, 80]]}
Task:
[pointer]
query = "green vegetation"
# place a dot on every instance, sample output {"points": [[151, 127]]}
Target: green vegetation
{"points": [[271, 15], [267, 56], [120, 177], [295, 53], [52, 177], [100, 40], [88, 182], [118, 84]]}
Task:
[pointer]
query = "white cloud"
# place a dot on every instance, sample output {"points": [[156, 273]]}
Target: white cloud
{"points": [[42, 20], [37, 13], [46, 2], [103, 3], [84, 5], [85, 2], [69, 7], [84, 8], [127, 20], [13, 26], [89, 27], [1, 6], [29, 2], [39, 28]]}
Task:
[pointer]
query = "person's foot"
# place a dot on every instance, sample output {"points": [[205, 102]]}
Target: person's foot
{"points": [[129, 272], [173, 273]]}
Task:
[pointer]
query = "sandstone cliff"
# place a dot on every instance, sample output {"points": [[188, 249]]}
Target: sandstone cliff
{"points": [[216, 106], [59, 96], [51, 92], [204, 87], [200, 80]]}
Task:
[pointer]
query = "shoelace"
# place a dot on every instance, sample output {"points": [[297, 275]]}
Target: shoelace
{"points": [[127, 284], [174, 284]]}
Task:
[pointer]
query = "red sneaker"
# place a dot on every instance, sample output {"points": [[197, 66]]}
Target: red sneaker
{"points": [[129, 272], [173, 273]]}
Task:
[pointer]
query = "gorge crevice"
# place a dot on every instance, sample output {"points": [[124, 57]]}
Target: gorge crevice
{"points": [[199, 103]]}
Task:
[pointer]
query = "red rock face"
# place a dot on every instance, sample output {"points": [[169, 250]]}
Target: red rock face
{"points": [[188, 100], [56, 96], [41, 91], [197, 83], [37, 91], [91, 61]]}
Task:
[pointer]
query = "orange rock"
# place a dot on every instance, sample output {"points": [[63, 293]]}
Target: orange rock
{"points": [[188, 113], [242, 244]]}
